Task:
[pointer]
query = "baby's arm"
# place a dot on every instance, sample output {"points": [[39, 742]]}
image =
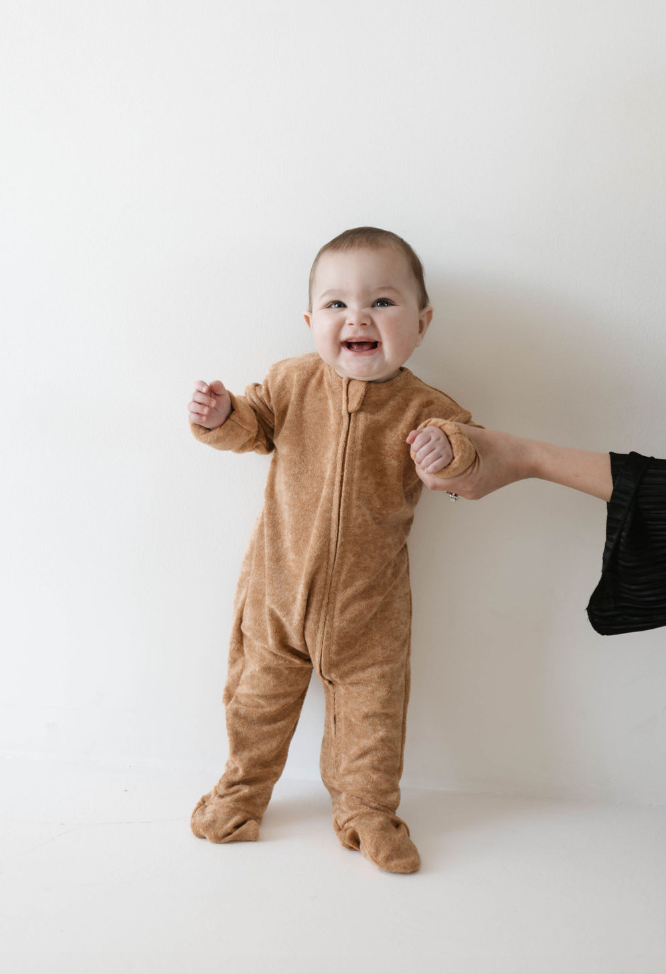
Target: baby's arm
{"points": [[230, 422]]}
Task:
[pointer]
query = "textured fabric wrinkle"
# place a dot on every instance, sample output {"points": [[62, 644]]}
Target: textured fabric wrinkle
{"points": [[372, 659], [443, 402], [286, 636], [372, 614], [370, 738], [270, 698], [355, 804], [252, 415]]}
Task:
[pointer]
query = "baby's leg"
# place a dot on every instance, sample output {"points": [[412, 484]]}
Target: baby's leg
{"points": [[263, 695], [362, 760]]}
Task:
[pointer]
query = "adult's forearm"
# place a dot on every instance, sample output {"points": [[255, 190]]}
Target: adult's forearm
{"points": [[580, 469]]}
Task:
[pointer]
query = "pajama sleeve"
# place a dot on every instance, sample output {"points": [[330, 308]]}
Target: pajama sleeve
{"points": [[249, 427], [464, 452], [631, 594]]}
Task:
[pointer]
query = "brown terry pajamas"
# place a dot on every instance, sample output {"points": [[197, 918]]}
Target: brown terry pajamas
{"points": [[324, 585]]}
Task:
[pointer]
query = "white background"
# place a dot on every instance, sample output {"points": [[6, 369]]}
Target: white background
{"points": [[168, 172]]}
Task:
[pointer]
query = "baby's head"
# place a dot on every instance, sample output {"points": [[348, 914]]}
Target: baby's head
{"points": [[367, 284]]}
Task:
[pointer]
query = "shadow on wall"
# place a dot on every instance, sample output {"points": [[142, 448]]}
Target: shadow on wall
{"points": [[500, 585]]}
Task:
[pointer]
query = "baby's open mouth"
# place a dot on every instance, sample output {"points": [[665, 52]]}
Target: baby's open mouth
{"points": [[360, 346]]}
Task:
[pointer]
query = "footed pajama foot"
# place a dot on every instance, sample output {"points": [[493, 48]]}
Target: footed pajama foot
{"points": [[217, 820], [383, 840]]}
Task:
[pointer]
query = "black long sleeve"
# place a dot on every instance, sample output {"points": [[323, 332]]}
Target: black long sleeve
{"points": [[631, 594]]}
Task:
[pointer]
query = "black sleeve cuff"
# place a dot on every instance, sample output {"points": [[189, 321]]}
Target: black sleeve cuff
{"points": [[631, 594]]}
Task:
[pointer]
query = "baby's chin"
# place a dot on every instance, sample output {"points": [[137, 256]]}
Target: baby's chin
{"points": [[368, 375], [368, 368]]}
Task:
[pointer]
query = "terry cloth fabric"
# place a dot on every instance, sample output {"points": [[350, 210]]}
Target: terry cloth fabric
{"points": [[324, 585], [631, 594]]}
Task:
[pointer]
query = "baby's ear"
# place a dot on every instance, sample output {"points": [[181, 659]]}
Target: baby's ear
{"points": [[306, 316]]}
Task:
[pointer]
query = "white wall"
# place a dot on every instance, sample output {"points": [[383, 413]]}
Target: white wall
{"points": [[168, 172]]}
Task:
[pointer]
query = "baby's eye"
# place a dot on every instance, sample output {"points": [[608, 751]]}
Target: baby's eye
{"points": [[332, 303]]}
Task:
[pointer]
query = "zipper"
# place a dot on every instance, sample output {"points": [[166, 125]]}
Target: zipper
{"points": [[335, 548]]}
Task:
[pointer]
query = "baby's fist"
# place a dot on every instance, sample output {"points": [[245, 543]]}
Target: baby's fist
{"points": [[210, 405], [431, 449]]}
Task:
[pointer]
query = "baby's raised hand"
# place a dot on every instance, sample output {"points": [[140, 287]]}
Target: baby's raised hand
{"points": [[210, 405], [432, 449]]}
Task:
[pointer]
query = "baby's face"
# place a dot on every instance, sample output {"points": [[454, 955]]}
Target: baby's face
{"points": [[370, 295]]}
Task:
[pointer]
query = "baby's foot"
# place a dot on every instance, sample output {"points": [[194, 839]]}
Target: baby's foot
{"points": [[217, 820], [383, 841]]}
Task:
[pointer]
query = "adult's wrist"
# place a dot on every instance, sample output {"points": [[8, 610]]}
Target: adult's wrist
{"points": [[531, 459]]}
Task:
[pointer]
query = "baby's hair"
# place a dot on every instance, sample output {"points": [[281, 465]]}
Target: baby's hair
{"points": [[372, 238]]}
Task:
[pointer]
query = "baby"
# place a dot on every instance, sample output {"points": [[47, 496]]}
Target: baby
{"points": [[324, 583]]}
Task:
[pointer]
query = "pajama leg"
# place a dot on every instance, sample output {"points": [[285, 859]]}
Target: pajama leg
{"points": [[362, 761], [263, 696]]}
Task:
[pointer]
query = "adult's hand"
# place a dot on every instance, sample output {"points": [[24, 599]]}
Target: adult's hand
{"points": [[502, 459]]}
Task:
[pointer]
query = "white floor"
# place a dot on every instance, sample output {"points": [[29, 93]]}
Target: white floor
{"points": [[101, 875]]}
